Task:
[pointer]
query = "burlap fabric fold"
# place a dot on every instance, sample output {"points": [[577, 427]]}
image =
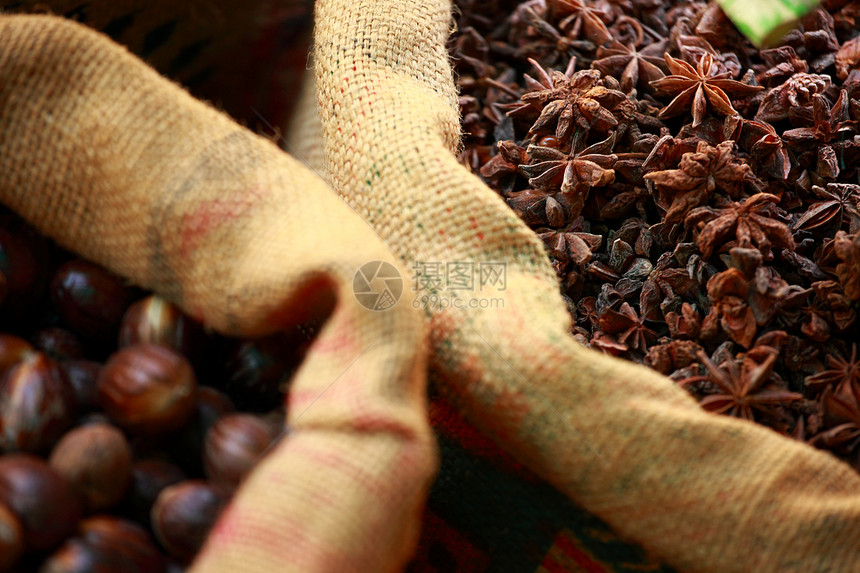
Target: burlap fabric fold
{"points": [[120, 165]]}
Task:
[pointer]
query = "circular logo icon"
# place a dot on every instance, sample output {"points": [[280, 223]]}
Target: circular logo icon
{"points": [[377, 285]]}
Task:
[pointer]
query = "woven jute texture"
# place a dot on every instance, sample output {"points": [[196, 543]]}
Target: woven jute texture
{"points": [[705, 493], [117, 163], [101, 153]]}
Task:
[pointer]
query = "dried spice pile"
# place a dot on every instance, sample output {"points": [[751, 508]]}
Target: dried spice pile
{"points": [[697, 197]]}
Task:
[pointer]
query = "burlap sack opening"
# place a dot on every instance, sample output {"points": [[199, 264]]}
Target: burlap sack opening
{"points": [[122, 166]]}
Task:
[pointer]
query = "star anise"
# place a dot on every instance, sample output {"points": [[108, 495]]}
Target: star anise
{"points": [[780, 64], [582, 21], [848, 58], [629, 65], [728, 292], [697, 177], [826, 121], [531, 206], [570, 101], [815, 40], [576, 247], [840, 199], [695, 88], [796, 92], [752, 221], [628, 327], [746, 386], [839, 372], [672, 355], [505, 162], [841, 407], [847, 248], [765, 146], [572, 174]]}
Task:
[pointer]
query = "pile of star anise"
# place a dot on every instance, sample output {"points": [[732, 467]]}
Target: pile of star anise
{"points": [[697, 197]]}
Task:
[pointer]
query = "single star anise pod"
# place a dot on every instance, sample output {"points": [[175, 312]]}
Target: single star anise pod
{"points": [[629, 329], [576, 247], [752, 221], [780, 64], [840, 199], [672, 355], [572, 174], [567, 102], [698, 175], [695, 88], [728, 292], [796, 92], [848, 58], [839, 372], [531, 206], [826, 121], [765, 146], [505, 162], [582, 20], [746, 386], [847, 248], [841, 408], [629, 65]]}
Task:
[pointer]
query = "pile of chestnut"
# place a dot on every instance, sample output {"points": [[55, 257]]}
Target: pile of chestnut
{"points": [[125, 427]]}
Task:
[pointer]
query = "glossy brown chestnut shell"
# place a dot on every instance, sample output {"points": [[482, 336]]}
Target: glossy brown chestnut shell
{"points": [[184, 514], [96, 460], [186, 446], [124, 543], [37, 404], [11, 539], [58, 343], [46, 504], [83, 375], [148, 389], [154, 320], [234, 445], [148, 479], [90, 299], [23, 265], [13, 349], [75, 556]]}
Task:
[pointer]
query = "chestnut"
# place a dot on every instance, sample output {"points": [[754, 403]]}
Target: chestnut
{"points": [[13, 349], [11, 539], [125, 544], [37, 404], [154, 320], [58, 343], [75, 556], [96, 460], [90, 299], [148, 389], [186, 446], [24, 266], [258, 371], [234, 445], [148, 479], [184, 514], [46, 504], [83, 375]]}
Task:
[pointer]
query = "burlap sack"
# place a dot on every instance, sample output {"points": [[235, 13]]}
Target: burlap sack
{"points": [[115, 162]]}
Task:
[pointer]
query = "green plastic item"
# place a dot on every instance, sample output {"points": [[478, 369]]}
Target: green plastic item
{"points": [[765, 22]]}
